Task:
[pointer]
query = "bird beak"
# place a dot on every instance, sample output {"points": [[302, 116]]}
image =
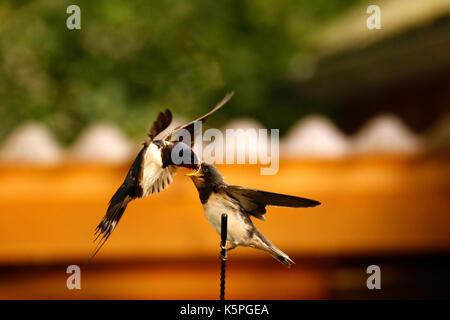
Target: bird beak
{"points": [[194, 173]]}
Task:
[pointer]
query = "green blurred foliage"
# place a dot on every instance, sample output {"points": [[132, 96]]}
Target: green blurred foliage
{"points": [[132, 59]]}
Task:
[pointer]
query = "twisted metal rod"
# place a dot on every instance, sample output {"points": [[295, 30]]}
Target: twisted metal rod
{"points": [[223, 253]]}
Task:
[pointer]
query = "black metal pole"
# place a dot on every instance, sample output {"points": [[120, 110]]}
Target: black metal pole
{"points": [[223, 253]]}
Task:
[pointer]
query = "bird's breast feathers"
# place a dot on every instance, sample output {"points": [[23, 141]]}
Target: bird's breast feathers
{"points": [[238, 226], [152, 168]]}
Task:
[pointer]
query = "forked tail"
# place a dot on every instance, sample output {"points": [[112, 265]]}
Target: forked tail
{"points": [[260, 242]]}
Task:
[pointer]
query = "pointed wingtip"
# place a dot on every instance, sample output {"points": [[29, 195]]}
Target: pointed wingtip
{"points": [[225, 99], [311, 203], [228, 96]]}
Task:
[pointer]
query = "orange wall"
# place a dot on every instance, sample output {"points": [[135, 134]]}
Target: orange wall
{"points": [[370, 206]]}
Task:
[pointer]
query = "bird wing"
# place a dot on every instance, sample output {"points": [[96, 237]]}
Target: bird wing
{"points": [[191, 125], [162, 122], [254, 202], [163, 181]]}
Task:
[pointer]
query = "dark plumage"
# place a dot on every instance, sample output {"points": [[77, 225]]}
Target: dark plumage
{"points": [[239, 204], [153, 169]]}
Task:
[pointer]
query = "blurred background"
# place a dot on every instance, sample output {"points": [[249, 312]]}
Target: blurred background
{"points": [[364, 128]]}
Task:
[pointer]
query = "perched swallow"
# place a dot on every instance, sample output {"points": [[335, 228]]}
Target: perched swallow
{"points": [[152, 170], [239, 204]]}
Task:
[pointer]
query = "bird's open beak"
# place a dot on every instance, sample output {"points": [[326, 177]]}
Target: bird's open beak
{"points": [[196, 172]]}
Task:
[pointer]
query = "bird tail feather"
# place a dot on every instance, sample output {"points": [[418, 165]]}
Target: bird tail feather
{"points": [[116, 208], [280, 256], [264, 244]]}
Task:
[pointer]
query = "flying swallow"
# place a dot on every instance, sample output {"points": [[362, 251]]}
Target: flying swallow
{"points": [[239, 203], [152, 170]]}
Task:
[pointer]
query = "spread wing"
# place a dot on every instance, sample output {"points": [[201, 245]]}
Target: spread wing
{"points": [[191, 125], [254, 202], [162, 182], [162, 122]]}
